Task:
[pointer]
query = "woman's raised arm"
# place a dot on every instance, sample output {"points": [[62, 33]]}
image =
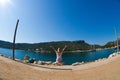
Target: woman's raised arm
{"points": [[64, 48], [53, 48]]}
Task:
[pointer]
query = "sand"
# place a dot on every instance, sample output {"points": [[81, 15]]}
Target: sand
{"points": [[108, 69]]}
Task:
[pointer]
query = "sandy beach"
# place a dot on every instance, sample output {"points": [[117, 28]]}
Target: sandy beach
{"points": [[107, 69]]}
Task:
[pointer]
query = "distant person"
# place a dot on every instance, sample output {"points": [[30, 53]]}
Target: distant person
{"points": [[31, 60], [26, 58], [58, 54]]}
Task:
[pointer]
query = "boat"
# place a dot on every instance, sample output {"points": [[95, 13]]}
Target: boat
{"points": [[116, 46], [117, 43], [92, 49]]}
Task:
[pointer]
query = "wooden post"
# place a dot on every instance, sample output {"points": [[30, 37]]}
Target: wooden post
{"points": [[13, 46]]}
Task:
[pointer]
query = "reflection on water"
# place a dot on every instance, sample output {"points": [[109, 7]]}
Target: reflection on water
{"points": [[68, 58]]}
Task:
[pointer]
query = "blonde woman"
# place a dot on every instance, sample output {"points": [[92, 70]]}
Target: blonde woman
{"points": [[58, 54]]}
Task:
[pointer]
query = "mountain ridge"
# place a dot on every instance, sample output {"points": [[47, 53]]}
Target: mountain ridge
{"points": [[72, 45]]}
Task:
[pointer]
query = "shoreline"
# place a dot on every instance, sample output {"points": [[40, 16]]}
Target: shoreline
{"points": [[77, 66], [84, 66], [98, 70], [79, 63]]}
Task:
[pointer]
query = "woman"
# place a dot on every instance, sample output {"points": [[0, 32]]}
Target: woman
{"points": [[26, 58], [58, 54]]}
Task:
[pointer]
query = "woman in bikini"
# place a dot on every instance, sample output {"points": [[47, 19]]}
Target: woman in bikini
{"points": [[58, 54]]}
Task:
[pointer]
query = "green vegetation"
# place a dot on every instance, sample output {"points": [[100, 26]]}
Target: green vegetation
{"points": [[72, 46], [111, 44], [79, 45]]}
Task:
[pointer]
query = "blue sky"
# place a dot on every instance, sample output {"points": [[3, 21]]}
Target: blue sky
{"points": [[59, 20]]}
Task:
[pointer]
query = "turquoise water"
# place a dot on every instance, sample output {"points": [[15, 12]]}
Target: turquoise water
{"points": [[68, 58]]}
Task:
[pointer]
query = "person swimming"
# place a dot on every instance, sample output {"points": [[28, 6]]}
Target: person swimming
{"points": [[59, 54]]}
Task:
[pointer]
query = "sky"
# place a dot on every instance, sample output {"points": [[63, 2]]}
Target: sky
{"points": [[60, 20]]}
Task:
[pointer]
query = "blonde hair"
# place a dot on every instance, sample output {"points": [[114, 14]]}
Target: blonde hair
{"points": [[58, 50]]}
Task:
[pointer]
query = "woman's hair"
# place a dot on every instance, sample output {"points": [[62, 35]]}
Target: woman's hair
{"points": [[58, 50]]}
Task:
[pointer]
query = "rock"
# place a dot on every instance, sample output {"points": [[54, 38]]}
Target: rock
{"points": [[58, 64], [112, 55], [35, 62], [45, 63], [26, 61], [10, 57], [1, 55], [5, 56], [41, 62], [96, 60], [48, 63], [82, 62], [18, 60], [75, 64]]}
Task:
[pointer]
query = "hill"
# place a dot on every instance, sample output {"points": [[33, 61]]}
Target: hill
{"points": [[5, 44], [72, 45], [111, 44]]}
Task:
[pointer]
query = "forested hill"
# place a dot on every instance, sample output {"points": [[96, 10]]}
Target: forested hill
{"points": [[72, 45], [5, 44], [111, 44]]}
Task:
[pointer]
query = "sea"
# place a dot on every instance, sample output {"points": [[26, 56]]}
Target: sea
{"points": [[68, 57]]}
